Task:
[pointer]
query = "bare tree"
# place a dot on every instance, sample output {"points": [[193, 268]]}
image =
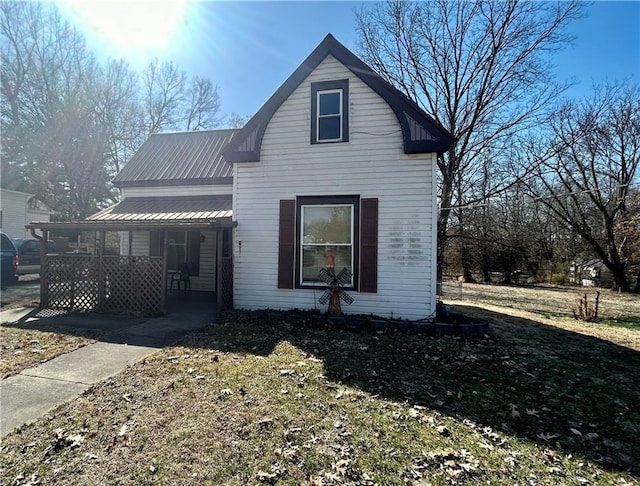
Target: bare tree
{"points": [[51, 143], [163, 94], [70, 122], [171, 102], [118, 112], [235, 120], [203, 105], [480, 67], [587, 168], [628, 229]]}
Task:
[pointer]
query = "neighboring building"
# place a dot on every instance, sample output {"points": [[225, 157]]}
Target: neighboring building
{"points": [[337, 167], [590, 273], [18, 209]]}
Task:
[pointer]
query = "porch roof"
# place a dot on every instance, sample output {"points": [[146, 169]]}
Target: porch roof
{"points": [[142, 213]]}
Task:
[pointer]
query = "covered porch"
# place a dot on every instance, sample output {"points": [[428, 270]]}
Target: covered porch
{"points": [[138, 279]]}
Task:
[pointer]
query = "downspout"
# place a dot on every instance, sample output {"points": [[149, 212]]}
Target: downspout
{"points": [[44, 266]]}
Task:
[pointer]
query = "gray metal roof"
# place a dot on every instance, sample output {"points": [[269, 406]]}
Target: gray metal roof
{"points": [[185, 209], [179, 158]]}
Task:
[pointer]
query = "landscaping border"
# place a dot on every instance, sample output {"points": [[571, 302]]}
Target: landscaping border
{"points": [[457, 325]]}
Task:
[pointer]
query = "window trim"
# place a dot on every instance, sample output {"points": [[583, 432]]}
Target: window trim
{"points": [[341, 86], [354, 202]]}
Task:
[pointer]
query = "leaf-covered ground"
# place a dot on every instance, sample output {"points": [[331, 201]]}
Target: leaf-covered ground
{"points": [[246, 402], [22, 347]]}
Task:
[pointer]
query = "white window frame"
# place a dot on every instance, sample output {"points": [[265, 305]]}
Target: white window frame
{"points": [[332, 115], [303, 244]]}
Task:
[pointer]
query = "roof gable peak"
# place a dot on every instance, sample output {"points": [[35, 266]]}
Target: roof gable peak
{"points": [[420, 132]]}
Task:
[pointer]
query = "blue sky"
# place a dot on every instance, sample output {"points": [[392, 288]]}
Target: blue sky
{"points": [[249, 48]]}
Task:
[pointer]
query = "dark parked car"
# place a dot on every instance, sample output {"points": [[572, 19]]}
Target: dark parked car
{"points": [[10, 261], [29, 254]]}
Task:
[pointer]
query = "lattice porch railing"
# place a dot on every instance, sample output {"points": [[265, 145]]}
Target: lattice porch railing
{"points": [[130, 284]]}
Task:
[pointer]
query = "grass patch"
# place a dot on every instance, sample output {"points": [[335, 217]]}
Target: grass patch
{"points": [[551, 315], [21, 347], [245, 402], [629, 322]]}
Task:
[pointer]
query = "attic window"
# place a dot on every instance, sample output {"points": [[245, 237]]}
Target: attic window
{"points": [[330, 111]]}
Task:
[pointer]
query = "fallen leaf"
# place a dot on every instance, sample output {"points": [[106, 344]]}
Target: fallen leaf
{"points": [[265, 476], [75, 440]]}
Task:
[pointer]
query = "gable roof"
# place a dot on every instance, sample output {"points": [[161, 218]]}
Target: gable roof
{"points": [[179, 158], [420, 132]]}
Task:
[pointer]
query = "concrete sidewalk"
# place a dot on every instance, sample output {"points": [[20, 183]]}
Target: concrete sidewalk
{"points": [[28, 395]]}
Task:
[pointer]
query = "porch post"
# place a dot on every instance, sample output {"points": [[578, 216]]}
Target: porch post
{"points": [[101, 273], [44, 269], [219, 250], [163, 291]]}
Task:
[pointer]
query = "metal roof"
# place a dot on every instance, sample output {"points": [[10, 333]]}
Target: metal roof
{"points": [[179, 158], [185, 209]]}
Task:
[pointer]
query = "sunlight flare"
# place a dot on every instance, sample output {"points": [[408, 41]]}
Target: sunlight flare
{"points": [[129, 29]]}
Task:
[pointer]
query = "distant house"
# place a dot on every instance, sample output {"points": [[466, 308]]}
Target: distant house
{"points": [[337, 168], [590, 273], [18, 209]]}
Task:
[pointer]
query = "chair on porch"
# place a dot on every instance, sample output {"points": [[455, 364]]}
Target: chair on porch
{"points": [[182, 274]]}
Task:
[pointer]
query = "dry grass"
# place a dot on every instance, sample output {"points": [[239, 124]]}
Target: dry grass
{"points": [[21, 347], [546, 301], [249, 402]]}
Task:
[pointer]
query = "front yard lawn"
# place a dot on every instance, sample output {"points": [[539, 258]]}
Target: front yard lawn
{"points": [[22, 347], [246, 402]]}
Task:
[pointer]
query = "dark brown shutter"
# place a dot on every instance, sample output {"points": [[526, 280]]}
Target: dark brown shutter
{"points": [[286, 244], [369, 245]]}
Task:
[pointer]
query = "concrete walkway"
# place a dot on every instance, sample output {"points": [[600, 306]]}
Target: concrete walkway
{"points": [[27, 396]]}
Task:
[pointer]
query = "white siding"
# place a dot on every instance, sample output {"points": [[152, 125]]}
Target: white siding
{"points": [[371, 164], [13, 207], [206, 281], [39, 216], [140, 243], [173, 191]]}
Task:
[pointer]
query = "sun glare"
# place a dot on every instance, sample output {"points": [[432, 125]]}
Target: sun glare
{"points": [[138, 29]]}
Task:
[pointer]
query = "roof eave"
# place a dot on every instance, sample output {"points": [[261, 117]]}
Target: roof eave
{"points": [[175, 182], [133, 225]]}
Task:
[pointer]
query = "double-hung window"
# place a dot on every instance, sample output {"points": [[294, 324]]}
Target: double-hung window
{"points": [[330, 111], [327, 236]]}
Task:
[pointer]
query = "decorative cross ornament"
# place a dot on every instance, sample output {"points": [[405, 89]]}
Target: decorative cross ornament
{"points": [[334, 293]]}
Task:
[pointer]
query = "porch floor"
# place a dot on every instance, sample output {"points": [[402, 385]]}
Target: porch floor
{"points": [[191, 304]]}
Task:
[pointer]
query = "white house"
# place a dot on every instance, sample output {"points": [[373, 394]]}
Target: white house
{"points": [[338, 167], [18, 209]]}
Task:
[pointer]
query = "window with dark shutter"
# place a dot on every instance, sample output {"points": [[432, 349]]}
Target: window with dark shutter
{"points": [[327, 230], [369, 245], [286, 244]]}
